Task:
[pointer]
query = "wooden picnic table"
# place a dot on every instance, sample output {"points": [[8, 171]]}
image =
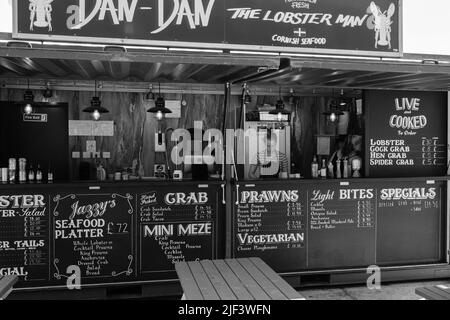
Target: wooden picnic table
{"points": [[6, 285], [233, 279], [439, 292]]}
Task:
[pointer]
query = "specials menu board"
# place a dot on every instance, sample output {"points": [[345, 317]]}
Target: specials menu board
{"points": [[95, 233], [406, 133], [24, 230], [176, 225], [339, 226], [271, 223]]}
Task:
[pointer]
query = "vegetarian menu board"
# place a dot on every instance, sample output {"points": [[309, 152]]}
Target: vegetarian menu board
{"points": [[406, 133], [176, 226], [102, 237], [353, 225]]}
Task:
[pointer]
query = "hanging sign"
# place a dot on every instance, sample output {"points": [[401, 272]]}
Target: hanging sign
{"points": [[363, 27]]}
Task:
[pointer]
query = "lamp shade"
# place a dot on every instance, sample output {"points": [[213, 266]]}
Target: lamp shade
{"points": [[160, 107]]}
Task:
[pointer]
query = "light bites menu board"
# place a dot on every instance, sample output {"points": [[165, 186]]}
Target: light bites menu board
{"points": [[176, 225], [341, 226], [271, 223], [406, 133], [24, 247], [93, 232]]}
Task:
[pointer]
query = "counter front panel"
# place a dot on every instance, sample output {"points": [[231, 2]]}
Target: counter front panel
{"points": [[334, 225], [107, 234]]}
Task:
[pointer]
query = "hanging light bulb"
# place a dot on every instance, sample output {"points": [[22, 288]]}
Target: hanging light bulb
{"points": [[333, 117], [159, 109], [28, 109], [334, 112], [96, 108], [279, 110]]}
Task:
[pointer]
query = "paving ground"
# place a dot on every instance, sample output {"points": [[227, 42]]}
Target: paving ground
{"points": [[397, 291]]}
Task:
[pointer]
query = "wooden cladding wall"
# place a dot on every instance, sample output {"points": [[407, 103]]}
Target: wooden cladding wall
{"points": [[134, 139]]}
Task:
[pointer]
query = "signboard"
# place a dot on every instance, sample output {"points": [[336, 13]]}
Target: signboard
{"points": [[365, 27], [329, 226], [176, 225], [406, 133], [35, 117]]}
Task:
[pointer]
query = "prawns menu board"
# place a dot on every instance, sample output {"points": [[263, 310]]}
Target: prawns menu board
{"points": [[24, 230], [271, 223], [95, 233], [406, 133], [352, 225], [176, 225]]}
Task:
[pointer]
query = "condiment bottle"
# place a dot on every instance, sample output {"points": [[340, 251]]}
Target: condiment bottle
{"points": [[345, 169]]}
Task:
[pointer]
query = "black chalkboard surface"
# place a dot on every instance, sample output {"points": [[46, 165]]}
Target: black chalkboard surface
{"points": [[176, 224], [406, 133], [270, 223]]}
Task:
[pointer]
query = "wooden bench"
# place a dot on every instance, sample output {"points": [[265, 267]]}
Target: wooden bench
{"points": [[233, 279], [434, 292], [6, 285]]}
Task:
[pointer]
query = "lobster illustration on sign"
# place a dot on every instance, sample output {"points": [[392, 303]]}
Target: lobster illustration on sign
{"points": [[41, 14], [383, 24]]}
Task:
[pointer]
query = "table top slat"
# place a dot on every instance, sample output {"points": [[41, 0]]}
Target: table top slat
{"points": [[251, 285], [272, 291], [219, 283], [188, 283], [232, 280], [207, 289], [278, 281], [426, 293], [6, 284], [441, 292]]}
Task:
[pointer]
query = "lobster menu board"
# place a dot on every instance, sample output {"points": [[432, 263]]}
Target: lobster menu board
{"points": [[406, 133], [95, 233], [24, 230], [369, 27], [115, 234], [271, 223], [176, 225], [348, 225]]}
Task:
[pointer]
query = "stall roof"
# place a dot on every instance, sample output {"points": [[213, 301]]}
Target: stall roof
{"points": [[54, 61]]}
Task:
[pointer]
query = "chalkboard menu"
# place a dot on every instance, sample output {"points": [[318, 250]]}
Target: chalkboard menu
{"points": [[341, 226], [270, 223], [24, 230], [406, 133], [95, 233], [116, 234], [353, 225], [410, 223], [176, 224]]}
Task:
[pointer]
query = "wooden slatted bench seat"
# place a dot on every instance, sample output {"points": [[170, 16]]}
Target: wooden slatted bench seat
{"points": [[233, 279], [440, 292], [6, 285]]}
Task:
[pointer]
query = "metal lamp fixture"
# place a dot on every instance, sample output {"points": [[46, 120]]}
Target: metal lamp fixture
{"points": [[279, 110], [28, 97], [334, 112], [246, 95], [160, 106], [342, 100], [96, 109], [47, 93]]}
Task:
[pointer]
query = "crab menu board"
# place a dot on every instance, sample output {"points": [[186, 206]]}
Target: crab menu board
{"points": [[341, 226], [406, 133], [176, 224], [93, 232], [270, 223], [24, 229], [368, 27]]}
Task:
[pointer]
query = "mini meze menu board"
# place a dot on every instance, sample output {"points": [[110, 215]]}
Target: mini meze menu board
{"points": [[406, 133], [114, 235], [297, 227]]}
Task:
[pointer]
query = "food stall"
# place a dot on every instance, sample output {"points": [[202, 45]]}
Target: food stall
{"points": [[111, 212]]}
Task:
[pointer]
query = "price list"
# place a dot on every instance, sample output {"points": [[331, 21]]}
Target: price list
{"points": [[433, 152]]}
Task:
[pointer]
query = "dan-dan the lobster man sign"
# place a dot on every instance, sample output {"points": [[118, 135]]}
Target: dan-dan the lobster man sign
{"points": [[365, 27]]}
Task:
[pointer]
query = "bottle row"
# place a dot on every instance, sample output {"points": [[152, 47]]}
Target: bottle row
{"points": [[18, 172], [340, 169]]}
